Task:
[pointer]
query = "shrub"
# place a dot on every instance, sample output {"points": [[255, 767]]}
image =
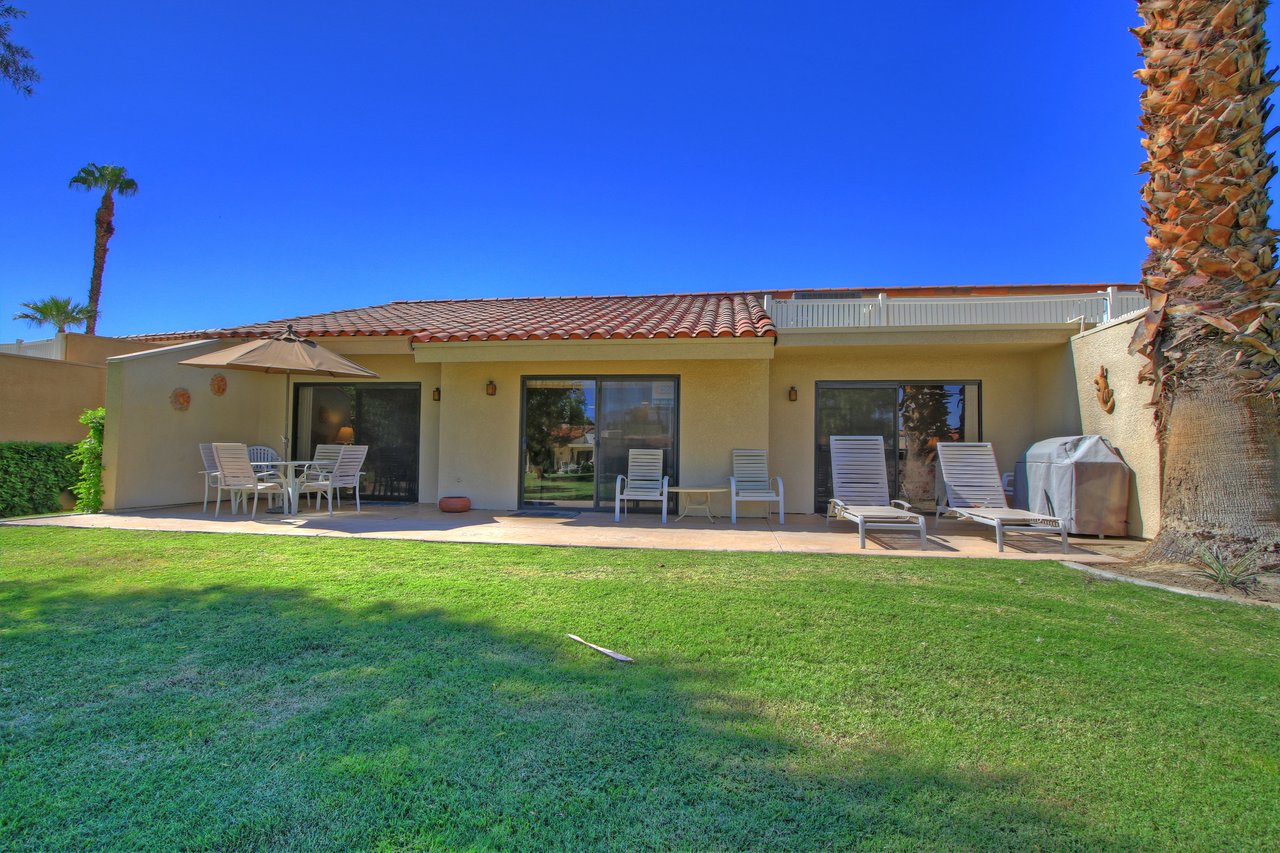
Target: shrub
{"points": [[33, 475], [1240, 573], [88, 453]]}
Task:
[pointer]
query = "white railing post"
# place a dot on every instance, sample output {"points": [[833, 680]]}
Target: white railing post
{"points": [[884, 308]]}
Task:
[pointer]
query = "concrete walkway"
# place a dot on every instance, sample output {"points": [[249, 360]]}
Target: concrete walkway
{"points": [[423, 522]]}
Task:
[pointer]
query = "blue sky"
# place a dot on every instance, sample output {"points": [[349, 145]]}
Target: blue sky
{"points": [[301, 157]]}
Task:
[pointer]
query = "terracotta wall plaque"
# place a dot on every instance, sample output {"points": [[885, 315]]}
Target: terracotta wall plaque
{"points": [[1106, 397], [180, 399], [218, 385]]}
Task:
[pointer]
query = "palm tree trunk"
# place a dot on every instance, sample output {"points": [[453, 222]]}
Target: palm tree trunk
{"points": [[1221, 472], [103, 229], [1213, 330]]}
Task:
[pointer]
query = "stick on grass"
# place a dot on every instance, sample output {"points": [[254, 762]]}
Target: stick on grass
{"points": [[602, 650]]}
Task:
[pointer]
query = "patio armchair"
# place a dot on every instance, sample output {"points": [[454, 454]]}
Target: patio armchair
{"points": [[970, 487], [751, 483], [860, 485], [322, 461], [236, 475], [210, 474], [644, 481], [260, 456], [345, 473]]}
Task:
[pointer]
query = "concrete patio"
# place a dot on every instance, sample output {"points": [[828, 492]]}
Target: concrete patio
{"points": [[423, 522]]}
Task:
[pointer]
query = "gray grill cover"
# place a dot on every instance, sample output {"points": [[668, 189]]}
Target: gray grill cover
{"points": [[1082, 479]]}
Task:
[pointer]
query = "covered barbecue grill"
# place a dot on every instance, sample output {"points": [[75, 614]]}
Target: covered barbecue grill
{"points": [[1081, 479]]}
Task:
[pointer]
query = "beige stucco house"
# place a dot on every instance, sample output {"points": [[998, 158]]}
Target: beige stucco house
{"points": [[535, 402]]}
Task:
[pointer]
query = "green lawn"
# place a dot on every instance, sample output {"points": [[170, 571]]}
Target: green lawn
{"points": [[559, 487], [246, 692]]}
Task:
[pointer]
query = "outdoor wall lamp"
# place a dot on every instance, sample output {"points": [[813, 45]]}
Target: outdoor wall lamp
{"points": [[490, 388], [793, 394], [435, 394]]}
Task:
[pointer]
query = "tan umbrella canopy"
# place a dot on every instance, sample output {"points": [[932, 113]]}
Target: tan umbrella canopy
{"points": [[285, 353]]}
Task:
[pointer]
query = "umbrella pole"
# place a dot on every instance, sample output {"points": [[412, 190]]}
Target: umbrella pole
{"points": [[285, 435]]}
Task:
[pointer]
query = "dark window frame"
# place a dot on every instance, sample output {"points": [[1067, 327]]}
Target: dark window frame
{"points": [[597, 379]]}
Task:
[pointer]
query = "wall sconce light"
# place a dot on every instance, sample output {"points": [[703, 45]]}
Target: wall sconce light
{"points": [[346, 435], [490, 388], [793, 394], [435, 394]]}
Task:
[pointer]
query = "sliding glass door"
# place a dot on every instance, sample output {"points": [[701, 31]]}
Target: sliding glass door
{"points": [[559, 465], [383, 415], [911, 418], [576, 434]]}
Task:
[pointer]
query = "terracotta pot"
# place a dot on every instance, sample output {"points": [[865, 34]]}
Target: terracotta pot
{"points": [[454, 503]]}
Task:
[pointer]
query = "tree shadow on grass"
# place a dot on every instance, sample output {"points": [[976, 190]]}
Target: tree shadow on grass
{"points": [[233, 717]]}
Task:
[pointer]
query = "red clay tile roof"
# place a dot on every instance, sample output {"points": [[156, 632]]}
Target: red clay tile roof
{"points": [[705, 315]]}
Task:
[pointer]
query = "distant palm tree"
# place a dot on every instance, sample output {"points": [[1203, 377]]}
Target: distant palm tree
{"points": [[55, 311], [111, 180]]}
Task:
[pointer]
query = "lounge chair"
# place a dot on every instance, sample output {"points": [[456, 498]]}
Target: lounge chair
{"points": [[860, 484], [751, 483], [644, 481], [972, 489]]}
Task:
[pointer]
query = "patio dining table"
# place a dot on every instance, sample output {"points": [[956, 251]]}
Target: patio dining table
{"points": [[291, 472]]}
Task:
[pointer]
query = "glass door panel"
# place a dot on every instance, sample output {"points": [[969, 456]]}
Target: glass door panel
{"points": [[845, 410], [912, 419], [634, 413], [383, 416], [929, 414], [559, 463], [387, 420]]}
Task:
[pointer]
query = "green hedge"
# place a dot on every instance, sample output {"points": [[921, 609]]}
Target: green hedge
{"points": [[33, 475]]}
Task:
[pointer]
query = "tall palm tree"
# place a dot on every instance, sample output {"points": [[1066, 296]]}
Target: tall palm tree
{"points": [[1212, 335], [111, 180], [55, 311]]}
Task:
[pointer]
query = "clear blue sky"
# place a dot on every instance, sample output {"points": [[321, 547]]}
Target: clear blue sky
{"points": [[301, 157]]}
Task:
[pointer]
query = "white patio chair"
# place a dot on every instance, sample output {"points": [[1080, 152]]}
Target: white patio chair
{"points": [[210, 473], [644, 481], [321, 465], [344, 474], [971, 488], [236, 475], [259, 456], [860, 484], [751, 483]]}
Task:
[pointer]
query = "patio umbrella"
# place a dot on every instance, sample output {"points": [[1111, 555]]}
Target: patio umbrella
{"points": [[286, 353]]}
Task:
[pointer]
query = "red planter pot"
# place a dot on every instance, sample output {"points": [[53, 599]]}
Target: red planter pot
{"points": [[454, 503]]}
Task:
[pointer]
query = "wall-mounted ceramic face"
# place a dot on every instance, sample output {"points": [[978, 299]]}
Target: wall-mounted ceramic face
{"points": [[218, 385], [180, 399]]}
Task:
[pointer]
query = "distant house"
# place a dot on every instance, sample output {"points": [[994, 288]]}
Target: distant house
{"points": [[474, 395]]}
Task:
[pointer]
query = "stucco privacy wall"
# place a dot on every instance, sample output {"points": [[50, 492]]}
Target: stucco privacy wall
{"points": [[1130, 428], [42, 399], [1024, 393], [723, 405], [150, 454], [96, 349]]}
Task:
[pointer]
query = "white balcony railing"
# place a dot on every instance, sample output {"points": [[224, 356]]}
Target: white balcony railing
{"points": [[1028, 310], [51, 348]]}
